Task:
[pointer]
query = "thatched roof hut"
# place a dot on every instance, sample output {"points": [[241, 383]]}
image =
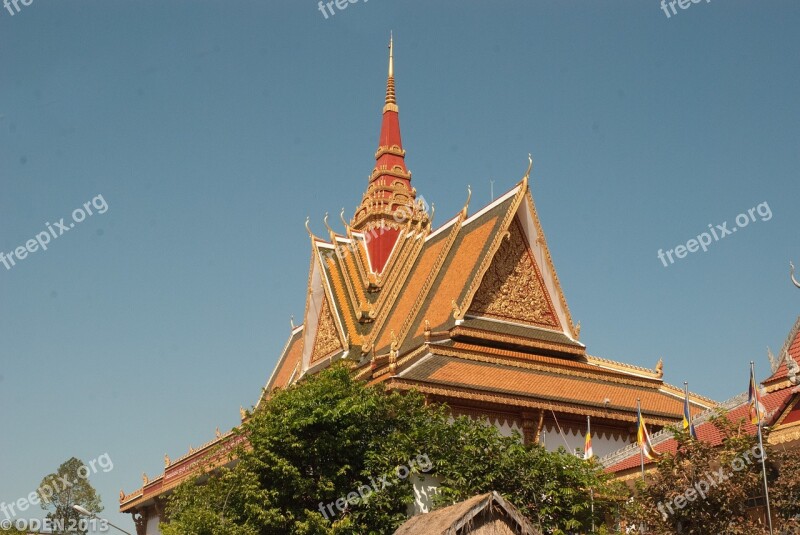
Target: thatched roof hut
{"points": [[487, 514]]}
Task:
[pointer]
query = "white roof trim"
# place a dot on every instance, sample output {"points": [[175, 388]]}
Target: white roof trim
{"points": [[491, 205], [447, 225], [420, 361]]}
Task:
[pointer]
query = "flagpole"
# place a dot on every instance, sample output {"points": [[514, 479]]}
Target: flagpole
{"points": [[761, 445], [686, 397], [591, 491], [688, 410], [641, 449]]}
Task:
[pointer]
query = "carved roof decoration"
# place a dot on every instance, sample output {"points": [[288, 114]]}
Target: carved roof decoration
{"points": [[788, 359]]}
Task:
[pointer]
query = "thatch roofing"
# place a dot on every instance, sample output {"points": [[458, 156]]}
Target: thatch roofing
{"points": [[451, 520]]}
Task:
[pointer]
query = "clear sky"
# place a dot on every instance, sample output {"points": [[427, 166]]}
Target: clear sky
{"points": [[212, 129]]}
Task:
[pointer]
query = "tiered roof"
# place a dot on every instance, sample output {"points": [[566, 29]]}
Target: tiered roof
{"points": [[472, 311]]}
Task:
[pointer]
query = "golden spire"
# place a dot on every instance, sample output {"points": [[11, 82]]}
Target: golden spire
{"points": [[391, 102], [391, 56]]}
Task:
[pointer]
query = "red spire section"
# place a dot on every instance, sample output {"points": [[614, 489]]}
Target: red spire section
{"points": [[389, 201]]}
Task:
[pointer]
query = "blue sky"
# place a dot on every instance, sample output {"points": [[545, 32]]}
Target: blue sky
{"points": [[212, 129]]}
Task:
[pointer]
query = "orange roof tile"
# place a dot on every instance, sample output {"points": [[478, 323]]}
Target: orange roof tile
{"points": [[411, 292], [545, 385], [464, 257], [792, 346], [292, 354]]}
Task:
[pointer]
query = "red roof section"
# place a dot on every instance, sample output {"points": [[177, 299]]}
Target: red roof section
{"points": [[792, 346], [707, 431]]}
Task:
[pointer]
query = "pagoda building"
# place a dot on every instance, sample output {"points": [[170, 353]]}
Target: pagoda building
{"points": [[470, 313]]}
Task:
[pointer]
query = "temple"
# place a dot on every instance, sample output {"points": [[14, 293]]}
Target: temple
{"points": [[470, 313]]}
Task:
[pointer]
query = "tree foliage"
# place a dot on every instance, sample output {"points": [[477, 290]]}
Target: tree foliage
{"points": [[327, 439], [784, 492], [66, 487], [702, 488]]}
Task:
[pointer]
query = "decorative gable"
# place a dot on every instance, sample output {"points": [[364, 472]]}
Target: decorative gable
{"points": [[512, 287], [326, 341]]}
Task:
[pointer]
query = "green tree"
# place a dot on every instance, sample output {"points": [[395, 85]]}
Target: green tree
{"points": [[318, 446], [553, 489], [66, 487], [702, 488], [784, 489]]}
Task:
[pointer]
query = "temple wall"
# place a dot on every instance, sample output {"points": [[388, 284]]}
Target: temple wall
{"points": [[423, 494], [603, 442], [152, 525]]}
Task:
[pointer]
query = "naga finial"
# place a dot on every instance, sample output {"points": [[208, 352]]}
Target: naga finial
{"points": [[528, 171], [327, 226], [792, 368], [791, 274], [466, 204], [774, 362]]}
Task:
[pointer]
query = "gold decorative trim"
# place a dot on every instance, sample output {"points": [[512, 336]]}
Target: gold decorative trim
{"points": [[466, 302], [790, 433], [461, 330], [399, 255], [381, 370], [352, 310], [341, 269], [405, 328], [396, 284], [394, 150], [525, 363], [621, 366], [326, 339], [513, 287], [400, 383], [551, 266], [791, 405], [309, 292]]}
